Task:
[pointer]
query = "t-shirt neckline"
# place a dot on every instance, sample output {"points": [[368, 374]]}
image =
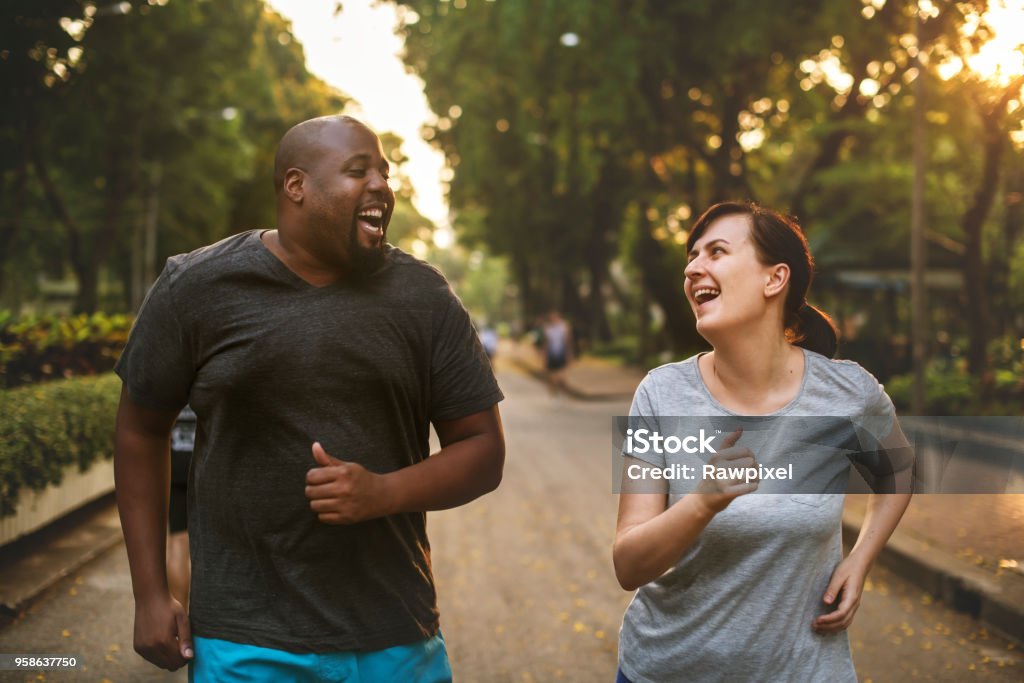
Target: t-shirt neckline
{"points": [[781, 411], [293, 278], [275, 264]]}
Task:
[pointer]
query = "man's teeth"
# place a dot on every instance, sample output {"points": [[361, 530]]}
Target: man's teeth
{"points": [[371, 213]]}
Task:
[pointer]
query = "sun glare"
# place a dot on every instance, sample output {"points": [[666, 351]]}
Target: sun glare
{"points": [[1001, 59]]}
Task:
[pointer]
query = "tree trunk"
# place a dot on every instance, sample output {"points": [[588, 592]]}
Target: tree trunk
{"points": [[87, 274], [662, 278], [994, 138]]}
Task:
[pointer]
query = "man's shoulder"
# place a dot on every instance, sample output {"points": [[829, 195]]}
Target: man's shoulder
{"points": [[199, 264], [417, 277]]}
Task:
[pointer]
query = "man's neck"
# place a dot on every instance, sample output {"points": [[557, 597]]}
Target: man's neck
{"points": [[298, 260]]}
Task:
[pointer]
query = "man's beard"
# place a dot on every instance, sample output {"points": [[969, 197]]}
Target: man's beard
{"points": [[363, 262]]}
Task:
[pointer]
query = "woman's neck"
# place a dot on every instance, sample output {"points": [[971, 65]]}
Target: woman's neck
{"points": [[754, 374]]}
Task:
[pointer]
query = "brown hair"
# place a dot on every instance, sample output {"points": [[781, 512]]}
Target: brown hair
{"points": [[778, 239]]}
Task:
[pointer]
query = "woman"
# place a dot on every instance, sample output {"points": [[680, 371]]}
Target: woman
{"points": [[736, 587]]}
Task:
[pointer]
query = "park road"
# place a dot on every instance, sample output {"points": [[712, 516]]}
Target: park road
{"points": [[525, 581]]}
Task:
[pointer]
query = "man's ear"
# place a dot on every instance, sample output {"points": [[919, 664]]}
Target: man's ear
{"points": [[294, 184], [778, 278]]}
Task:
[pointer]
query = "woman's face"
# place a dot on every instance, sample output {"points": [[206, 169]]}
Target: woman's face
{"points": [[725, 281]]}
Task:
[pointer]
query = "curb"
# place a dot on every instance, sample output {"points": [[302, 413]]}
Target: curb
{"points": [[46, 557], [998, 602]]}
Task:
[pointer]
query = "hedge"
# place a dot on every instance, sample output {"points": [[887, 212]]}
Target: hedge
{"points": [[46, 427], [47, 347]]}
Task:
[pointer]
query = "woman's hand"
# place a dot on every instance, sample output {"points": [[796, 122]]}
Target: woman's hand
{"points": [[846, 586], [716, 494]]}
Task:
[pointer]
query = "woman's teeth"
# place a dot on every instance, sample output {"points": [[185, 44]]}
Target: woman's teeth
{"points": [[705, 294]]}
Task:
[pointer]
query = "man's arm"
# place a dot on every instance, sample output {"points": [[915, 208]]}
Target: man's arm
{"points": [[469, 464], [142, 476]]}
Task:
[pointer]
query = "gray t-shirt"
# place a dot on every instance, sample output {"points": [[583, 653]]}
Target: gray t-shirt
{"points": [[271, 364], [739, 604]]}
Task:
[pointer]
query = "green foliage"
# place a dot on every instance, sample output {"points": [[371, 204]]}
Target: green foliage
{"points": [[650, 111], [950, 389], [141, 121], [44, 428], [36, 348]]}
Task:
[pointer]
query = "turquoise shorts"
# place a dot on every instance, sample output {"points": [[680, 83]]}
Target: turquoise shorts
{"points": [[221, 661]]}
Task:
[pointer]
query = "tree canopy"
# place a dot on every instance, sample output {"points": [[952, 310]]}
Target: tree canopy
{"points": [[138, 130], [585, 136]]}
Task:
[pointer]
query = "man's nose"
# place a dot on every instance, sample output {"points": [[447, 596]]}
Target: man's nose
{"points": [[378, 182]]}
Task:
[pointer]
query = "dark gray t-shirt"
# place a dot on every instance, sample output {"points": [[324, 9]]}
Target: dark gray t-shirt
{"points": [[271, 364], [739, 604]]}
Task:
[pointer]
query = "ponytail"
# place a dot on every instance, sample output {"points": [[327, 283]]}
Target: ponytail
{"points": [[815, 331]]}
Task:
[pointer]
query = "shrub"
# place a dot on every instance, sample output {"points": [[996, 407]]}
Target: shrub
{"points": [[44, 428], [950, 389], [39, 348]]}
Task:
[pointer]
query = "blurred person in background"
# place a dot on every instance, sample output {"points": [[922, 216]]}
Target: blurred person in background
{"points": [[179, 565], [557, 351], [489, 340]]}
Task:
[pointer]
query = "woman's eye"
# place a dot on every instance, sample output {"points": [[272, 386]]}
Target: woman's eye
{"points": [[717, 250]]}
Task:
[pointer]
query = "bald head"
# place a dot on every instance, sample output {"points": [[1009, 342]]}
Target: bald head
{"points": [[301, 146]]}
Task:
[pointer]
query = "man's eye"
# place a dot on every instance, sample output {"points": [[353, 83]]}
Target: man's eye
{"points": [[358, 172]]}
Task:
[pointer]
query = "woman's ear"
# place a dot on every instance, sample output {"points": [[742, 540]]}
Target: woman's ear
{"points": [[778, 278]]}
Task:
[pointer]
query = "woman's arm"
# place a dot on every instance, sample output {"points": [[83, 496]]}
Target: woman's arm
{"points": [[883, 514], [650, 537]]}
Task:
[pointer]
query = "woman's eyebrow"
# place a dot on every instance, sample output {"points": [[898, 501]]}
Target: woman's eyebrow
{"points": [[695, 250]]}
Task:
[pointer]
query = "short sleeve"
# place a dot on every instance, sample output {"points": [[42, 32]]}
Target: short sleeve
{"points": [[879, 413], [882, 448], [461, 379], [156, 365], [643, 414]]}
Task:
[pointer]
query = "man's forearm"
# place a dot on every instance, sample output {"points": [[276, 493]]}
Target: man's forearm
{"points": [[457, 474], [141, 474]]}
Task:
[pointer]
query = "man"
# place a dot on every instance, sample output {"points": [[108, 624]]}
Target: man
{"points": [[315, 357]]}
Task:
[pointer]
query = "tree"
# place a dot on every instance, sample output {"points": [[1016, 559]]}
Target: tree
{"points": [[170, 116]]}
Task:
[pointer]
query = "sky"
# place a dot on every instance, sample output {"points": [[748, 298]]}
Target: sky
{"points": [[357, 52]]}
